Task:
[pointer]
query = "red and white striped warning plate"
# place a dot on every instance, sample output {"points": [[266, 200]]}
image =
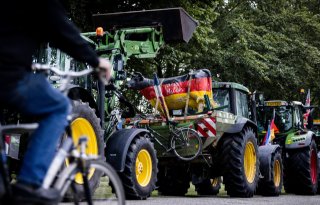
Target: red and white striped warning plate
{"points": [[206, 127]]}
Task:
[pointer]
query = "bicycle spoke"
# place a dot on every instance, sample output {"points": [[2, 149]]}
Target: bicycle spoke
{"points": [[186, 144]]}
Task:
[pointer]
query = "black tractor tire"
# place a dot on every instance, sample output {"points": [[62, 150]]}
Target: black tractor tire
{"points": [[318, 192], [234, 164], [301, 172], [288, 177], [209, 186], [273, 186], [82, 111], [173, 180], [141, 147]]}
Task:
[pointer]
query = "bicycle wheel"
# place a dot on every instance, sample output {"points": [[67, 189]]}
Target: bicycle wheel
{"points": [[109, 191], [186, 144]]}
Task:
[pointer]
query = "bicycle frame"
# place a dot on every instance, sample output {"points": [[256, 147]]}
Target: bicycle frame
{"points": [[172, 134]]}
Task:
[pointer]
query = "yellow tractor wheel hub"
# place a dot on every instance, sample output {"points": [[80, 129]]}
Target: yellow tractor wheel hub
{"points": [[250, 160], [81, 127], [277, 173], [143, 168]]}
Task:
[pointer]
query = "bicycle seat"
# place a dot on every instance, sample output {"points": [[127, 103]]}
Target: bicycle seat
{"points": [[19, 127]]}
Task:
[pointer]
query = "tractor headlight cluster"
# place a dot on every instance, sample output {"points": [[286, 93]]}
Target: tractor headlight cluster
{"points": [[225, 115]]}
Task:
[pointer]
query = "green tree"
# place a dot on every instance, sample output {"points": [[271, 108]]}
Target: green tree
{"points": [[267, 45]]}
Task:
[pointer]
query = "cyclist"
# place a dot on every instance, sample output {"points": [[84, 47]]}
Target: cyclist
{"points": [[24, 25]]}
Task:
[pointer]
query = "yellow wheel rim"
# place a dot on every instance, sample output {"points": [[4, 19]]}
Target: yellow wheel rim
{"points": [[81, 127], [277, 173], [250, 162], [214, 182], [143, 168]]}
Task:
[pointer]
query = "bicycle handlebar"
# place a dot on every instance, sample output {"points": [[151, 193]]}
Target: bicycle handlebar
{"points": [[72, 74]]}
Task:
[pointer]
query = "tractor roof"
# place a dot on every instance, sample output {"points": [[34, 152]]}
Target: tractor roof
{"points": [[230, 85], [177, 24], [316, 121], [297, 103], [276, 103]]}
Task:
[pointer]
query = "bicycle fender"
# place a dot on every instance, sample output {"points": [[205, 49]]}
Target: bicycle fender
{"points": [[265, 153], [118, 144]]}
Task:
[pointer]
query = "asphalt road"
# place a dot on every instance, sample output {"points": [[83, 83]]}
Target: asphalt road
{"points": [[284, 199], [225, 200], [222, 199]]}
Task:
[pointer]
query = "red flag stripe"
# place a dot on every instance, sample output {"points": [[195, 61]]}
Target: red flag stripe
{"points": [[199, 84]]}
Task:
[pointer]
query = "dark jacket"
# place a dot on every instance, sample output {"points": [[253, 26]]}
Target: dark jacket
{"points": [[24, 25]]}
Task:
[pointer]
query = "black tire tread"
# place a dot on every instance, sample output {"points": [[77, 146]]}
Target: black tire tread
{"points": [[234, 178], [82, 109], [128, 177], [298, 179], [267, 187]]}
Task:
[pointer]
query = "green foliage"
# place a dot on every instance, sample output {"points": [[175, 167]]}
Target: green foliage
{"points": [[267, 45]]}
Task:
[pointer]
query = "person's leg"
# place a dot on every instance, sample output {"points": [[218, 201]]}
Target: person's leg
{"points": [[34, 96]]}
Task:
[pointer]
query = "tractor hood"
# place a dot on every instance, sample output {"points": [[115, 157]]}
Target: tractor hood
{"points": [[177, 24]]}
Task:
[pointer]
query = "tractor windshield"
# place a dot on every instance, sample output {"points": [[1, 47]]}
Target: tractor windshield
{"points": [[283, 118], [221, 98]]}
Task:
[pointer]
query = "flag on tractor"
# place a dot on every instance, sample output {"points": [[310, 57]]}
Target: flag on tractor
{"points": [[307, 104], [160, 97], [308, 100], [272, 128]]}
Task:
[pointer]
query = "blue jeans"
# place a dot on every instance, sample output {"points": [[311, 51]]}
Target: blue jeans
{"points": [[34, 96]]}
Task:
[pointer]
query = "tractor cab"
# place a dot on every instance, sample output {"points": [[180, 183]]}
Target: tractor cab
{"points": [[288, 118], [233, 98]]}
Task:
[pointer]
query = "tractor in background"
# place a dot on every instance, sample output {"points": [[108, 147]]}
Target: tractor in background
{"points": [[299, 145]]}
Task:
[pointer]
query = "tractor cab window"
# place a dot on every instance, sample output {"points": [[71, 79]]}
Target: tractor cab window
{"points": [[221, 99], [298, 114], [242, 104], [283, 117], [54, 57]]}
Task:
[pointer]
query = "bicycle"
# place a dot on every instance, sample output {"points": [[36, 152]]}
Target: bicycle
{"points": [[60, 176], [184, 142]]}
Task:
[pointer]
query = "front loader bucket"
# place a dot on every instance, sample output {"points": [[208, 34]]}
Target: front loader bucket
{"points": [[177, 24]]}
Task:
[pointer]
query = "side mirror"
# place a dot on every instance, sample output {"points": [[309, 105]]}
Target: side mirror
{"points": [[260, 98], [118, 63], [118, 67]]}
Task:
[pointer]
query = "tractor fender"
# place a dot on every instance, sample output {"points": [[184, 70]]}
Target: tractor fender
{"points": [[299, 139], [118, 144], [240, 123], [265, 153], [79, 93]]}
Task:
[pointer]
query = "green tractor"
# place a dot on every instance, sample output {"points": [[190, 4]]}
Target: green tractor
{"points": [[236, 99], [230, 153], [96, 111], [299, 145]]}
